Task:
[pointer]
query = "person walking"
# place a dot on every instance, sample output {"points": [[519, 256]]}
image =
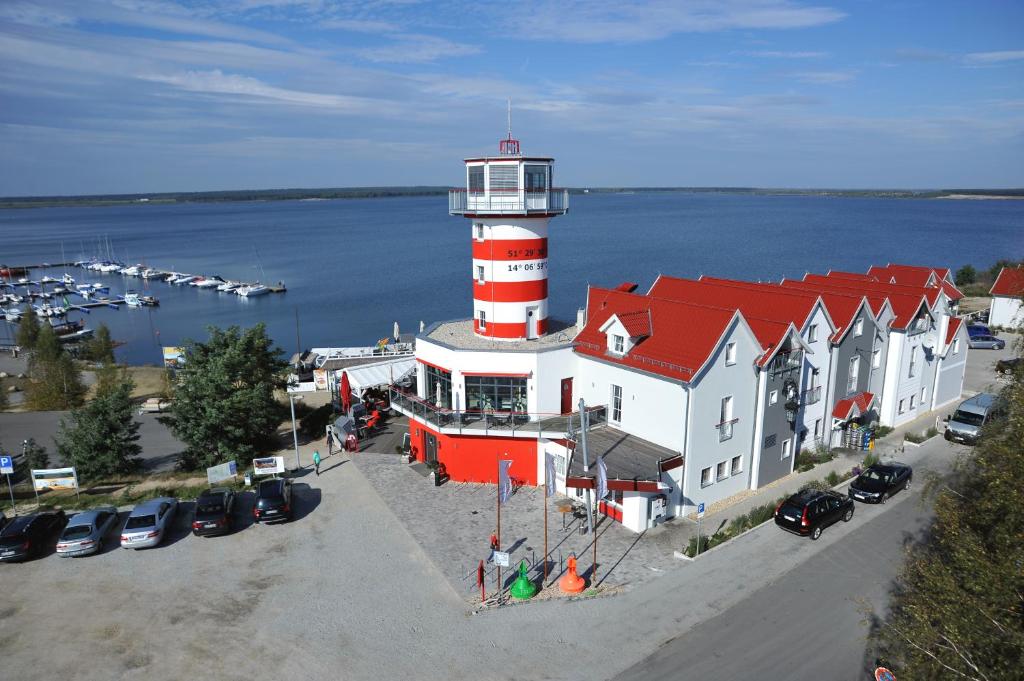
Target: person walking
{"points": [[316, 462]]}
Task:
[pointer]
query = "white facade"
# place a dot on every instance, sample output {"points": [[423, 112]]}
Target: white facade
{"points": [[1006, 312], [817, 371]]}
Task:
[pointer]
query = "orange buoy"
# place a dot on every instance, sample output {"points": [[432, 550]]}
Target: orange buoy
{"points": [[571, 583]]}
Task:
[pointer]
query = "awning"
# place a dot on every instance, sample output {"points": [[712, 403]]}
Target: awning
{"points": [[853, 406], [379, 374], [634, 464]]}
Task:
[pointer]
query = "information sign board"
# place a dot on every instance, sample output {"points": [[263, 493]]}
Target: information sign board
{"points": [[501, 558], [6, 465], [271, 465]]}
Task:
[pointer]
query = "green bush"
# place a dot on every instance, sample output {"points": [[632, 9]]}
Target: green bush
{"points": [[882, 431], [761, 514], [738, 524], [314, 424], [832, 479], [869, 460], [918, 438], [820, 485]]}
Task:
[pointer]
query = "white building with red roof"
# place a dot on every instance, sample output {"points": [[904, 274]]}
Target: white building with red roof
{"points": [[1007, 306]]}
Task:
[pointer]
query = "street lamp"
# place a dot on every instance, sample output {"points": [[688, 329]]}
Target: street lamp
{"points": [[295, 433]]}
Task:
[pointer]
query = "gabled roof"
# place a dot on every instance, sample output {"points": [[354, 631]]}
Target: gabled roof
{"points": [[683, 336], [915, 275], [637, 324], [842, 305], [1010, 282], [906, 301], [857, 276], [853, 406], [951, 328], [753, 300]]}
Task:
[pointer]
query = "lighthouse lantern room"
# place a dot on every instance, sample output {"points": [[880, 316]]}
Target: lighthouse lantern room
{"points": [[509, 200]]}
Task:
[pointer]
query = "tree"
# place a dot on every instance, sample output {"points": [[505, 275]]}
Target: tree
{"points": [[224, 405], [36, 455], [54, 380], [28, 330], [101, 438], [99, 348], [966, 275], [957, 611]]}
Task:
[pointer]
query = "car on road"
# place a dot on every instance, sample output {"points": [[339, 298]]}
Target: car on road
{"points": [[967, 421], [273, 500], [880, 481], [986, 343], [86, 531], [810, 511], [215, 509], [148, 523], [1007, 366], [26, 536]]}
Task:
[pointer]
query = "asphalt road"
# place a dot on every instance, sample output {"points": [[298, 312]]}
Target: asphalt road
{"points": [[812, 622]]}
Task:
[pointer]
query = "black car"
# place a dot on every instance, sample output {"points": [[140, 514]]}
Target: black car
{"points": [[1007, 366], [273, 500], [27, 535], [810, 511], [880, 481], [214, 512]]}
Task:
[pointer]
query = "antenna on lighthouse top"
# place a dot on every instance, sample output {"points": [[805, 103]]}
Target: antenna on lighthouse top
{"points": [[509, 146]]}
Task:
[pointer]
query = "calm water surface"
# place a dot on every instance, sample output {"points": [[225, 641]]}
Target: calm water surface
{"points": [[353, 267]]}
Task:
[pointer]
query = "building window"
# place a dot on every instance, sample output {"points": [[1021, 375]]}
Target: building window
{"points": [[439, 387], [787, 449], [730, 354], [773, 397], [504, 177], [723, 470], [913, 362], [851, 381], [705, 477], [480, 274], [476, 181], [482, 316], [817, 429], [496, 393], [536, 178], [924, 393], [617, 403], [876, 358], [726, 422], [912, 398], [812, 333], [737, 465], [900, 409], [618, 344], [478, 231], [858, 327], [770, 441], [956, 346]]}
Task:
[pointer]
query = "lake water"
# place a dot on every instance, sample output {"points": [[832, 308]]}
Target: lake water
{"points": [[353, 267]]}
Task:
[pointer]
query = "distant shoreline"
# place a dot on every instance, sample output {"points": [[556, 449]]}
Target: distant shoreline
{"points": [[169, 198]]}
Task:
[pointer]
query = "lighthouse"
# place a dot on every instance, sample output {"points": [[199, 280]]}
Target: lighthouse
{"points": [[509, 200]]}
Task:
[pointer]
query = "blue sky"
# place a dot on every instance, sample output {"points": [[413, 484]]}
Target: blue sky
{"points": [[147, 95]]}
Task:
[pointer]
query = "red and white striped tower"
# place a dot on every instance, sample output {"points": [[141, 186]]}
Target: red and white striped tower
{"points": [[510, 200]]}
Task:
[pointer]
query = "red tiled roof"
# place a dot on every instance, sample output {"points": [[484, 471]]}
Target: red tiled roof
{"points": [[1010, 282], [915, 275], [854, 406], [682, 338], [952, 327], [842, 305], [753, 300], [851, 275], [637, 323], [906, 301]]}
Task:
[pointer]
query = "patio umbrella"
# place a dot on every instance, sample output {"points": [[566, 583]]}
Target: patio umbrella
{"points": [[395, 334], [346, 393]]}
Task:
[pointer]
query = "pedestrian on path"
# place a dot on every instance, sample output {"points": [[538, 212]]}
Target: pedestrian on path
{"points": [[316, 462]]}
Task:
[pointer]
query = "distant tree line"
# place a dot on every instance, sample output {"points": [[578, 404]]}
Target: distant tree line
{"points": [[975, 283]]}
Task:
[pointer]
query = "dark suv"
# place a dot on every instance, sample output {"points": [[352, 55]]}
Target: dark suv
{"points": [[273, 500], [881, 481], [214, 510], [810, 511], [28, 535]]}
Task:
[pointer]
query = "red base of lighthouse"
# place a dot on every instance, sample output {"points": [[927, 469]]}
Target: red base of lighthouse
{"points": [[469, 458]]}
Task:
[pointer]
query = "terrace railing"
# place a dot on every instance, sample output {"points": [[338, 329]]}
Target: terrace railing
{"points": [[812, 395], [725, 429], [512, 201]]}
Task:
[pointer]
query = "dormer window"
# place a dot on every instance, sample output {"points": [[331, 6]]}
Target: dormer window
{"points": [[858, 327], [618, 344], [730, 354]]}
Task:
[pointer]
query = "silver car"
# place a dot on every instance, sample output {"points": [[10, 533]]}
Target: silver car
{"points": [[985, 343], [86, 531], [148, 523]]}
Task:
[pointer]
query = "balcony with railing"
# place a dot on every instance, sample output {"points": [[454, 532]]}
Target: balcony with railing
{"points": [[508, 201], [786, 361], [493, 422], [725, 429], [812, 395]]}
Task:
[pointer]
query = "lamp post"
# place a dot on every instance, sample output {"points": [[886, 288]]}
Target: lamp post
{"points": [[295, 433]]}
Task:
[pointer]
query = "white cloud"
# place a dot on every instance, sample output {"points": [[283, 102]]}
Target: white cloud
{"points": [[825, 77], [360, 25], [415, 48], [776, 54], [994, 57], [34, 15]]}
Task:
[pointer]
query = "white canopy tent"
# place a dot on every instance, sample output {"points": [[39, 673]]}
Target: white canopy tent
{"points": [[377, 374]]}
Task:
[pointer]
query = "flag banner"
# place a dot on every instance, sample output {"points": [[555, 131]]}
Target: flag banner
{"points": [[549, 468], [602, 478], [504, 481]]}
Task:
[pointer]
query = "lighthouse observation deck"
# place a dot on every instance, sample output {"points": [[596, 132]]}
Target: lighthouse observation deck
{"points": [[546, 202]]}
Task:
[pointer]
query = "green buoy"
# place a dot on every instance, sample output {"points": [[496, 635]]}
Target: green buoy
{"points": [[523, 588]]}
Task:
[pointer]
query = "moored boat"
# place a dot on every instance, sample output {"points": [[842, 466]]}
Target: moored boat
{"points": [[253, 290]]}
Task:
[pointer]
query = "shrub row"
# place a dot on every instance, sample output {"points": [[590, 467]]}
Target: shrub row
{"points": [[918, 438]]}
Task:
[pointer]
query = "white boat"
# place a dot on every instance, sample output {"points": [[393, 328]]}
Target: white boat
{"points": [[183, 279], [132, 271], [110, 267], [48, 280], [228, 286], [210, 282], [150, 273], [12, 315], [252, 291], [68, 280], [131, 299]]}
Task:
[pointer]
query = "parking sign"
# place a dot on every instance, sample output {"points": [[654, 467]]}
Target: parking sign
{"points": [[6, 465], [700, 510]]}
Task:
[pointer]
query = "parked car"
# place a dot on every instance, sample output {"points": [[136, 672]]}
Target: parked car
{"points": [[986, 343], [148, 522], [976, 329], [967, 421], [881, 481], [86, 531], [810, 511], [273, 500], [27, 535], [214, 511], [1007, 366]]}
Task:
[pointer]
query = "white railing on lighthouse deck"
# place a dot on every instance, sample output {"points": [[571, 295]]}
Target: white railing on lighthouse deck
{"points": [[461, 202]]}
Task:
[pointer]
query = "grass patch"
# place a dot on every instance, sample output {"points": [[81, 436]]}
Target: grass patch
{"points": [[918, 438]]}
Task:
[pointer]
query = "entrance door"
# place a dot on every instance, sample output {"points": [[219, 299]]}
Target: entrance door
{"points": [[566, 395], [531, 322], [430, 452]]}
